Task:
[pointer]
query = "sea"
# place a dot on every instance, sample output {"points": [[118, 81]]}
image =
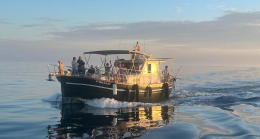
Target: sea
{"points": [[209, 102]]}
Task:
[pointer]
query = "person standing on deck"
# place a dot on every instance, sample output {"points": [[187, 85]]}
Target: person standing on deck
{"points": [[123, 70], [166, 74], [81, 66], [137, 47], [74, 65], [107, 68], [61, 68], [115, 71]]}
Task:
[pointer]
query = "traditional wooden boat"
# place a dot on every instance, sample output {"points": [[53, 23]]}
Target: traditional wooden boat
{"points": [[142, 81]]}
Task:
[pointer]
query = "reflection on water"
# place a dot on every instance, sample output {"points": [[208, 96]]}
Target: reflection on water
{"points": [[86, 121]]}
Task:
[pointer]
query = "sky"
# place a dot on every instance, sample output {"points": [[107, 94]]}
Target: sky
{"points": [[201, 32]]}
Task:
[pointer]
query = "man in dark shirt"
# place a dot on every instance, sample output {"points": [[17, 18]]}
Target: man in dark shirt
{"points": [[91, 71], [81, 66]]}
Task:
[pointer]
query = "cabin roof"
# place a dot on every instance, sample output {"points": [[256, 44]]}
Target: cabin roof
{"points": [[114, 52], [161, 59]]}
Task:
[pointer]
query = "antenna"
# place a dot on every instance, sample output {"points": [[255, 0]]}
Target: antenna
{"points": [[144, 46], [120, 40]]}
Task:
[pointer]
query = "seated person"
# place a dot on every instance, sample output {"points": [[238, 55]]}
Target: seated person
{"points": [[98, 72], [91, 71]]}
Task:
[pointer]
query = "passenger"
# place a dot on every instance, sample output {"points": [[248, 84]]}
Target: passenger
{"points": [[74, 66], [61, 68], [136, 68], [115, 71], [166, 74], [107, 68], [123, 71], [137, 47], [91, 71], [98, 72], [81, 67], [119, 72], [128, 68]]}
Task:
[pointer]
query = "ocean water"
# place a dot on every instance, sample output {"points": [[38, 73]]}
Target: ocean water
{"points": [[208, 103]]}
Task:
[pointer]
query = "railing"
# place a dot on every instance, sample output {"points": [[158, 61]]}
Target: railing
{"points": [[54, 65], [128, 76]]}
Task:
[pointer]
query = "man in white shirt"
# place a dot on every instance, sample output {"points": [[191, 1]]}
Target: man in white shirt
{"points": [[115, 71], [74, 65], [166, 74]]}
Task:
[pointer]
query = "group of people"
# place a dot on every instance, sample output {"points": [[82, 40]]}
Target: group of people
{"points": [[118, 71], [78, 67]]}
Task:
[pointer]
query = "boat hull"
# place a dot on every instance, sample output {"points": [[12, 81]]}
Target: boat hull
{"points": [[75, 88]]}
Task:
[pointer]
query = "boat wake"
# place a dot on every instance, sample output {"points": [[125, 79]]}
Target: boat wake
{"points": [[112, 103], [220, 88], [53, 98], [102, 102]]}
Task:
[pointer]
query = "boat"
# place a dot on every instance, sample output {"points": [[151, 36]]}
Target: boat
{"points": [[142, 81]]}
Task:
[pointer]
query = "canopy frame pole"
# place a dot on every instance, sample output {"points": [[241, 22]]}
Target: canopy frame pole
{"points": [[172, 67], [88, 60], [158, 68], [85, 57], [102, 61]]}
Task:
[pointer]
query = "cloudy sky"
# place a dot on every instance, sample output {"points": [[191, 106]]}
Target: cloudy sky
{"points": [[205, 32]]}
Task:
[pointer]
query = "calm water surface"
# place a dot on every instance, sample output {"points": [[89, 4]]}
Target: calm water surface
{"points": [[208, 103]]}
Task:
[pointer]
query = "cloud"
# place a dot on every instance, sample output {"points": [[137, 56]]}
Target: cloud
{"points": [[178, 9], [36, 25], [232, 10], [220, 6], [233, 30], [256, 10], [215, 7], [231, 38], [4, 21], [48, 19], [210, 6], [44, 22]]}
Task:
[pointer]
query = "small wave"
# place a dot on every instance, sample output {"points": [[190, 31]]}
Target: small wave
{"points": [[186, 93], [54, 98], [112, 103]]}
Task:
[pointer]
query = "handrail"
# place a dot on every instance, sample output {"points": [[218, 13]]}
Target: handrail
{"points": [[124, 77], [54, 65], [179, 71]]}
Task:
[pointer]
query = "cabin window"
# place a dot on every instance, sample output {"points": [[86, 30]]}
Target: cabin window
{"points": [[149, 67]]}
